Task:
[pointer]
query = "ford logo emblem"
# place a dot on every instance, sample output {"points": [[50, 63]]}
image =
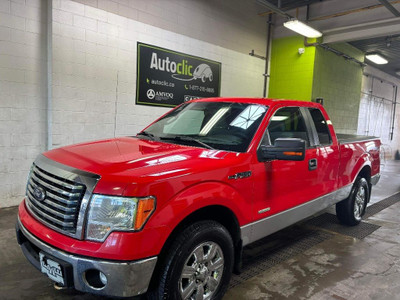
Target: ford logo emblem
{"points": [[39, 193]]}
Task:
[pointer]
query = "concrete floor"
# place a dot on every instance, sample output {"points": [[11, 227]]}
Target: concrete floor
{"points": [[339, 268]]}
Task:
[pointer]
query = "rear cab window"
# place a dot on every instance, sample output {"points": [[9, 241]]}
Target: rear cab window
{"points": [[321, 126]]}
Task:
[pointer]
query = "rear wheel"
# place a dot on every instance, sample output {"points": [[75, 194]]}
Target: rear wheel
{"points": [[198, 264], [351, 210]]}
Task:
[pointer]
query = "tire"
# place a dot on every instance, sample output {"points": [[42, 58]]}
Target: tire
{"points": [[351, 210], [205, 249]]}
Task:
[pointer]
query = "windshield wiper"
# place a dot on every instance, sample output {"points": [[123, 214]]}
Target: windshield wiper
{"points": [[148, 134], [186, 139]]}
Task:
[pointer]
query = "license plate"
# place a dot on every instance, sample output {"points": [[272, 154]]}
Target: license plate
{"points": [[51, 268]]}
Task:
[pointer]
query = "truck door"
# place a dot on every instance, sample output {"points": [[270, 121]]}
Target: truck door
{"points": [[281, 185], [327, 153]]}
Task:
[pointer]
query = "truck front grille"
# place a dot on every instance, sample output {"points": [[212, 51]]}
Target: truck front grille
{"points": [[54, 200]]}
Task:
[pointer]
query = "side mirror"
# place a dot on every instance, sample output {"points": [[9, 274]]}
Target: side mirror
{"points": [[283, 149]]}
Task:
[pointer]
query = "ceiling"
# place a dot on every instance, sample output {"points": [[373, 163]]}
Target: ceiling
{"points": [[388, 46], [291, 4], [369, 25]]}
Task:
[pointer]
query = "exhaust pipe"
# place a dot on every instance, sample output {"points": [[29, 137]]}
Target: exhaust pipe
{"points": [[59, 287]]}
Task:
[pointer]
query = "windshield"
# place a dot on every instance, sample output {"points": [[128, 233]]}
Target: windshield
{"points": [[215, 125]]}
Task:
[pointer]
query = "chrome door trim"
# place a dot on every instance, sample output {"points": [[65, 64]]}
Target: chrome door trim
{"points": [[264, 227]]}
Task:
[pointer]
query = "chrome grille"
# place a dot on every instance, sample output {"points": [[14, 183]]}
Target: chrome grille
{"points": [[61, 205]]}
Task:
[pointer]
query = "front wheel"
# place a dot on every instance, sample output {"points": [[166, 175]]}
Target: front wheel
{"points": [[198, 264], [351, 210]]}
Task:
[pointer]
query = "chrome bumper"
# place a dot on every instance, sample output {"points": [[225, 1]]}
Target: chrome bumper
{"points": [[124, 279]]}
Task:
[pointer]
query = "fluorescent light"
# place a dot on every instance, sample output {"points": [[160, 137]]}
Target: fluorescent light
{"points": [[376, 58], [398, 72], [302, 29], [279, 118], [215, 118]]}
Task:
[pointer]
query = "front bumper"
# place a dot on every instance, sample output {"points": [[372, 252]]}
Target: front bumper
{"points": [[124, 278]]}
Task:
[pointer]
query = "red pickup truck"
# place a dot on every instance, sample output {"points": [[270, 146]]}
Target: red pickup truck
{"points": [[169, 210]]}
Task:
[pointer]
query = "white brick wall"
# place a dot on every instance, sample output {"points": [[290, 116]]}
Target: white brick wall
{"points": [[232, 24], [375, 115], [22, 94], [93, 47]]}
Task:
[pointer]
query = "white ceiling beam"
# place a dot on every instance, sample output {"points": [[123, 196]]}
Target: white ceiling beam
{"points": [[362, 31]]}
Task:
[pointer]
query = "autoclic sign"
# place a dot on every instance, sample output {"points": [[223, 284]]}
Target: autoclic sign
{"points": [[169, 78]]}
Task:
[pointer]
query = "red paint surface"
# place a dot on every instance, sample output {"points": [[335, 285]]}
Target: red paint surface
{"points": [[185, 179]]}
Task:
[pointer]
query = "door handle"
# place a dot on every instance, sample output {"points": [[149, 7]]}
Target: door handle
{"points": [[312, 164]]}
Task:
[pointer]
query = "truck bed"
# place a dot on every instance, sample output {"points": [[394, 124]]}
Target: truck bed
{"points": [[352, 138]]}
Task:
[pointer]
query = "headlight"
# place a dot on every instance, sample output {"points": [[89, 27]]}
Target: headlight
{"points": [[110, 213]]}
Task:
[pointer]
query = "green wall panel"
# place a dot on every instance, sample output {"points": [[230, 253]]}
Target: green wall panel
{"points": [[318, 73], [291, 73]]}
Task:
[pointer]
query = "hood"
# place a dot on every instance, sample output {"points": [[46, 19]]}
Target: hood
{"points": [[118, 155]]}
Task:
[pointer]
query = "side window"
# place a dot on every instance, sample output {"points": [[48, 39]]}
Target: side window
{"points": [[321, 126], [287, 122]]}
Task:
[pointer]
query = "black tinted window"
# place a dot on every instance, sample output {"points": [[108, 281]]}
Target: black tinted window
{"points": [[287, 122], [321, 126]]}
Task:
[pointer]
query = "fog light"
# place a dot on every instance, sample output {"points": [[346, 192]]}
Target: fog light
{"points": [[103, 278], [95, 279]]}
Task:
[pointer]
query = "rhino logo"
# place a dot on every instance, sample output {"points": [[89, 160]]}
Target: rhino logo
{"points": [[204, 72]]}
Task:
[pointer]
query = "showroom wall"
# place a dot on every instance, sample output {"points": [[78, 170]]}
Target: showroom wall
{"points": [[22, 93], [338, 81], [232, 24], [95, 71], [376, 109], [94, 68]]}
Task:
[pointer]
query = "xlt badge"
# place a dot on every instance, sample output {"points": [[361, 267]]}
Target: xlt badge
{"points": [[240, 175]]}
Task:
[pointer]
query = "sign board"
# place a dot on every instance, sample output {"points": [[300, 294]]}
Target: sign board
{"points": [[169, 78]]}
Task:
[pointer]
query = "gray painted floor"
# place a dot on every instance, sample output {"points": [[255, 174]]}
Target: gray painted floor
{"points": [[340, 267]]}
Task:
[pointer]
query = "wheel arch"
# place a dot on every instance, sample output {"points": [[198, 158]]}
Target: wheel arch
{"points": [[218, 213], [365, 172], [362, 168]]}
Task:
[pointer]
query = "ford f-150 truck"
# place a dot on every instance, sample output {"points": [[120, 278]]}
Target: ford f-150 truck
{"points": [[169, 210]]}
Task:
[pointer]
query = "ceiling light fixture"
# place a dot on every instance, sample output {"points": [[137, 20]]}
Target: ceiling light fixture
{"points": [[376, 58], [302, 28]]}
